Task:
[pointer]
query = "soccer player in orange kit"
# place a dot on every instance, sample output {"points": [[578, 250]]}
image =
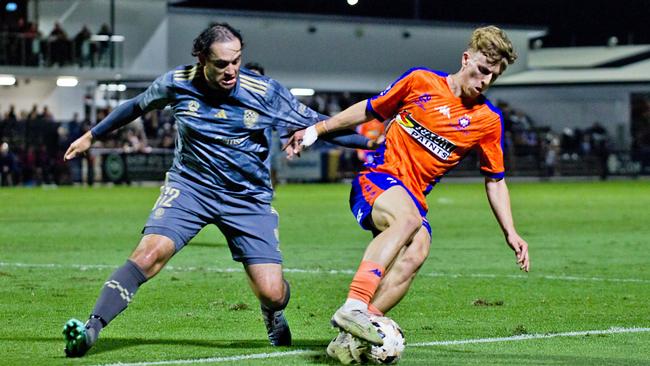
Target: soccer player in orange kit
{"points": [[437, 119]]}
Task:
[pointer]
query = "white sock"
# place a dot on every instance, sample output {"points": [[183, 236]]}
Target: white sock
{"points": [[354, 304]]}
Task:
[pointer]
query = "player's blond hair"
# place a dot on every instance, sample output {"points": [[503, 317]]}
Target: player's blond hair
{"points": [[494, 44]]}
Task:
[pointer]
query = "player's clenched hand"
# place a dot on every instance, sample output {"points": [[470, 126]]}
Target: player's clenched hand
{"points": [[292, 147], [520, 247], [374, 144], [79, 146]]}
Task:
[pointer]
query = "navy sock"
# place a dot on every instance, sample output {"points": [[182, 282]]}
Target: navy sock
{"points": [[115, 296]]}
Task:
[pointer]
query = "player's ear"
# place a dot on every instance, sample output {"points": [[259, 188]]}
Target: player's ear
{"points": [[465, 58]]}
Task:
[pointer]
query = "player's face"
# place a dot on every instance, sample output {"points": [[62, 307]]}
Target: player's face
{"points": [[478, 74], [221, 67]]}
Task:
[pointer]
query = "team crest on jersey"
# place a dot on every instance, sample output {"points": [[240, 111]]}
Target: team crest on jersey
{"points": [[250, 118], [464, 121], [434, 143], [193, 106]]}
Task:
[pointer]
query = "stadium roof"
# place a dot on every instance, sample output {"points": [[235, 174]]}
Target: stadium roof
{"points": [[570, 23]]}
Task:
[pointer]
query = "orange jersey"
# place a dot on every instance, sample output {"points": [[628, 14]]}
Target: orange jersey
{"points": [[432, 130]]}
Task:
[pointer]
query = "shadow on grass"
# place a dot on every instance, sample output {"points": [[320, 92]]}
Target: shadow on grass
{"points": [[113, 344]]}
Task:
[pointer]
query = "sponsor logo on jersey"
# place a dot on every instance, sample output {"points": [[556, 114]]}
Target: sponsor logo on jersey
{"points": [[434, 143], [250, 118], [444, 110], [422, 100], [224, 141]]}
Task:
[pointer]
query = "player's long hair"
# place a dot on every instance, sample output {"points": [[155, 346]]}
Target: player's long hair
{"points": [[494, 44], [216, 32]]}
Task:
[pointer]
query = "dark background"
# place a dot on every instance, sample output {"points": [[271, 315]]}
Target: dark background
{"points": [[569, 22]]}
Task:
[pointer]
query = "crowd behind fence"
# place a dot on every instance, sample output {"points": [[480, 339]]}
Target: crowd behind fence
{"points": [[24, 45], [32, 144]]}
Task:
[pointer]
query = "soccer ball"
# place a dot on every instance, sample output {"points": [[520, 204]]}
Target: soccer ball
{"points": [[391, 351]]}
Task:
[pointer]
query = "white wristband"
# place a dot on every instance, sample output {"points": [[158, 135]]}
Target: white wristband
{"points": [[311, 135]]}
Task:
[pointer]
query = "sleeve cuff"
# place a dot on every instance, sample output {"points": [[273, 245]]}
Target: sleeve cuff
{"points": [[500, 175], [372, 111]]}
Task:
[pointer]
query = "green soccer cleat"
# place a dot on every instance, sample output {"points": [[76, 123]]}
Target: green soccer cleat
{"points": [[76, 338], [357, 323]]}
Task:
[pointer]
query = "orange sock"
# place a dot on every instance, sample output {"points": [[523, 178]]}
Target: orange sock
{"points": [[365, 281], [372, 309]]}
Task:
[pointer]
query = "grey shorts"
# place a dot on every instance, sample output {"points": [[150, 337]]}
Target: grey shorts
{"points": [[184, 208]]}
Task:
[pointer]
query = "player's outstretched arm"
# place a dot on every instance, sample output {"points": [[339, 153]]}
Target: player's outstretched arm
{"points": [[79, 146], [499, 197], [120, 116], [350, 117]]}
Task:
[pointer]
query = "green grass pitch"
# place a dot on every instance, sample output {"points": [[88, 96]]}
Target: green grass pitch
{"points": [[589, 244]]}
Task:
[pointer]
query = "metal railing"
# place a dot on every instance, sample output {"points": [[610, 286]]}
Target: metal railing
{"points": [[23, 49]]}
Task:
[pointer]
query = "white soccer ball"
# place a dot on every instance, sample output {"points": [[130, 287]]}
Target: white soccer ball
{"points": [[394, 342]]}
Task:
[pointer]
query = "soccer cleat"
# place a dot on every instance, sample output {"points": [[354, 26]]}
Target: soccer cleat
{"points": [[357, 323], [76, 338], [277, 327], [346, 348]]}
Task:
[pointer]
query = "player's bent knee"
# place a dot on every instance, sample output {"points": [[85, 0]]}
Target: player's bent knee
{"points": [[152, 253], [410, 223]]}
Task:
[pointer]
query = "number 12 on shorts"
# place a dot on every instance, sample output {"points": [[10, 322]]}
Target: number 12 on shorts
{"points": [[167, 195]]}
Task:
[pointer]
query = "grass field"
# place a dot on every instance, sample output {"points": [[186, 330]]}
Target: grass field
{"points": [[590, 245]]}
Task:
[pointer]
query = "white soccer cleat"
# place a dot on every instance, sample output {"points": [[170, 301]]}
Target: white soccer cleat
{"points": [[346, 348], [358, 323]]}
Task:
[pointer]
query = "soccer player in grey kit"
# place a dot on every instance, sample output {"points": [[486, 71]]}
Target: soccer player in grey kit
{"points": [[220, 175]]}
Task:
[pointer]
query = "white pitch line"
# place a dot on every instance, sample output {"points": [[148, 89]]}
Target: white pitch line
{"points": [[85, 267], [523, 337]]}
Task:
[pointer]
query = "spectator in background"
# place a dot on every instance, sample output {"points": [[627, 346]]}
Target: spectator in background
{"points": [[550, 151], [59, 46], [33, 114], [32, 37], [82, 49], [600, 147], [46, 115], [256, 67], [373, 130], [11, 114], [8, 166], [103, 46]]}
